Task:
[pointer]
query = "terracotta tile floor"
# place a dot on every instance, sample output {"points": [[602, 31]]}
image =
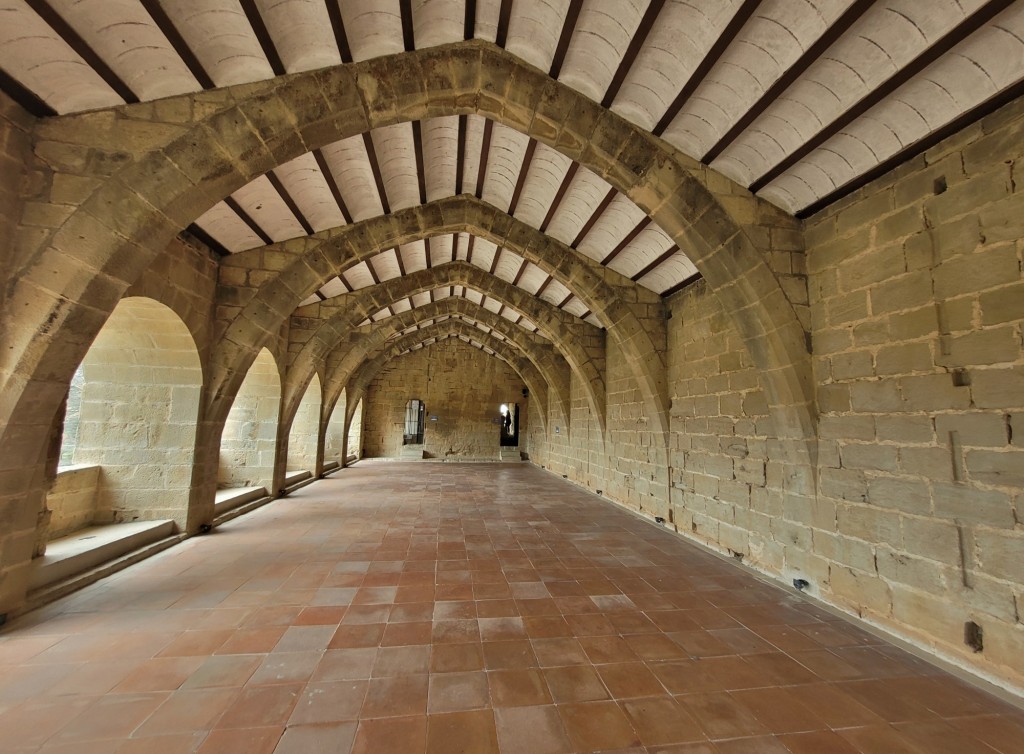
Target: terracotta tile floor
{"points": [[464, 608]]}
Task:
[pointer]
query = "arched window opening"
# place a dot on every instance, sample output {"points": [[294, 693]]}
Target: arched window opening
{"points": [[72, 416], [129, 433], [509, 425], [334, 437], [305, 429], [249, 440], [414, 416], [355, 434]]}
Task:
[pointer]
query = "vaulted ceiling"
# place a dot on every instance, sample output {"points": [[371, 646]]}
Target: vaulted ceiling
{"points": [[799, 100]]}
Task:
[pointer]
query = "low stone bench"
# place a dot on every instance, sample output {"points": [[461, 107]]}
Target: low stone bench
{"points": [[87, 549]]}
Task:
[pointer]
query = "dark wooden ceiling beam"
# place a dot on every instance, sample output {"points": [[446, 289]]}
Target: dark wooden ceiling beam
{"points": [[421, 176], [635, 45], [521, 181], [627, 240], [559, 195], [565, 38], [455, 246], [338, 26], [373, 271], [469, 250], [543, 286], [460, 154], [259, 28], [215, 246], [568, 29], [912, 150], [594, 217], [469, 24], [235, 207], [426, 249], [156, 11], [344, 282], [408, 35], [400, 260], [504, 16], [832, 34], [63, 29], [378, 178], [485, 151], [931, 54], [332, 184], [660, 260], [519, 274], [746, 10], [494, 260], [290, 202], [566, 300], [24, 96], [682, 284]]}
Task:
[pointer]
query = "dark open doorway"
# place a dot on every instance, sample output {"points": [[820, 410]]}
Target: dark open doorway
{"points": [[414, 414], [509, 425]]}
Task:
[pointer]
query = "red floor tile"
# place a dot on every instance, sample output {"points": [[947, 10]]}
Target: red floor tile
{"points": [[449, 608]]}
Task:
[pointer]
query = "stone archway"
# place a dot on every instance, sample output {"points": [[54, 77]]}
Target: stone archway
{"points": [[552, 367], [249, 438], [602, 291], [472, 432], [579, 342], [176, 172], [304, 430], [139, 408], [152, 178]]}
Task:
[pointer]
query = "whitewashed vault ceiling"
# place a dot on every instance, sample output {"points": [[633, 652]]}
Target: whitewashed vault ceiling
{"points": [[799, 100]]}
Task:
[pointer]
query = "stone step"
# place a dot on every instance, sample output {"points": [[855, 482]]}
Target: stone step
{"points": [[232, 497], [410, 452], [294, 477], [93, 546]]}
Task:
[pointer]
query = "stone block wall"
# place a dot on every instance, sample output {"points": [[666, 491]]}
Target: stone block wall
{"points": [[911, 516], [355, 432], [302, 437], [249, 440], [726, 482], [917, 303], [72, 500], [140, 402], [334, 435], [461, 385], [15, 153]]}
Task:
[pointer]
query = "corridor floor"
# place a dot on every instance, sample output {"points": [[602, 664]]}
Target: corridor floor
{"points": [[464, 609]]}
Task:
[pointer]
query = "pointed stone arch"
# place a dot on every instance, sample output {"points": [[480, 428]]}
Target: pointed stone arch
{"points": [[140, 408], [172, 173], [249, 437], [552, 366], [370, 368], [580, 343], [303, 429], [322, 256]]}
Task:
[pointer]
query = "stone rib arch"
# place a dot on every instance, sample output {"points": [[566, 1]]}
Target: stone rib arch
{"points": [[580, 343], [552, 366], [176, 172], [603, 291], [524, 368]]}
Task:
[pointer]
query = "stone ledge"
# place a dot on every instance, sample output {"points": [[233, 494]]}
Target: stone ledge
{"points": [[230, 498], [88, 548]]}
